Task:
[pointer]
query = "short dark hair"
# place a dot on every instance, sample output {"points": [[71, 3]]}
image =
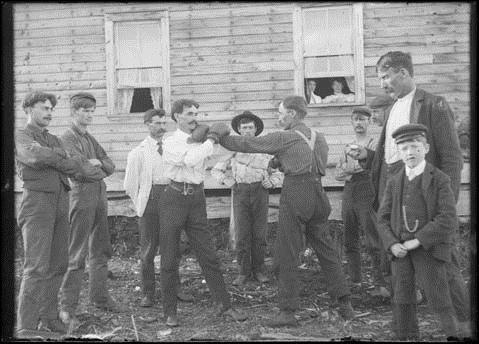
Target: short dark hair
{"points": [[38, 96], [395, 60], [179, 105], [149, 114], [82, 100], [296, 103]]}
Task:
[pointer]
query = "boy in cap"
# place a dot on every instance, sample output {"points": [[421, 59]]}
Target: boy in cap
{"points": [[357, 205], [88, 213], [250, 182], [417, 220]]}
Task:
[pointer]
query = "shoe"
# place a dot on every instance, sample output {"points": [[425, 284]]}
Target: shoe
{"points": [[284, 318], [184, 297], [234, 314], [419, 296], [70, 320], [147, 301], [240, 280], [346, 310], [52, 325], [37, 334], [261, 278], [172, 321]]}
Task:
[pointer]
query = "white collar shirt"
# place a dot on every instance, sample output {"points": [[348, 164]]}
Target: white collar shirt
{"points": [[398, 117], [185, 162], [159, 170], [412, 173]]}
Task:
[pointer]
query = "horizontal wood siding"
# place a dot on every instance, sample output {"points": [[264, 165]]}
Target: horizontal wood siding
{"points": [[230, 57]]}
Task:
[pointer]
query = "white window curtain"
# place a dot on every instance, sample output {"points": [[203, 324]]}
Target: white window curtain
{"points": [[124, 99], [156, 97]]}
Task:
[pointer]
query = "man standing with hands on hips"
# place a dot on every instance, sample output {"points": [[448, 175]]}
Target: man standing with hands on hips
{"points": [[183, 207]]}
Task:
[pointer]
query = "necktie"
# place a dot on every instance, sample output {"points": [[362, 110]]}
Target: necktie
{"points": [[160, 148]]}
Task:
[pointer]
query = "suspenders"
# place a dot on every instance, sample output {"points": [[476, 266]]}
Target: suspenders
{"points": [[311, 143]]}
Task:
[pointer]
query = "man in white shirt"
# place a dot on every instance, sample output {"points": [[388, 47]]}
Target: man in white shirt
{"points": [[144, 182], [183, 207]]}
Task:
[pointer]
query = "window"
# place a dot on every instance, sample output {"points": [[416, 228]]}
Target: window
{"points": [[137, 61], [328, 54]]}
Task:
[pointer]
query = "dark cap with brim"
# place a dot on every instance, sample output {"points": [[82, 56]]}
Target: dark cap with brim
{"points": [[362, 110], [409, 132], [82, 95], [381, 101], [235, 122]]}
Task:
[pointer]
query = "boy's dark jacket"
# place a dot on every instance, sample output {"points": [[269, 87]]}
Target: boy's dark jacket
{"points": [[442, 223]]}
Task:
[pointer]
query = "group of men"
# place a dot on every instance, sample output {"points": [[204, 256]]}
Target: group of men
{"points": [[165, 180]]}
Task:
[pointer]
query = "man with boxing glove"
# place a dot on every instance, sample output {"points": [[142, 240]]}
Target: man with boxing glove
{"points": [[183, 207]]}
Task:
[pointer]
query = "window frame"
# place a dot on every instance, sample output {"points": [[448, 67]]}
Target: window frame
{"points": [[111, 54], [358, 53]]}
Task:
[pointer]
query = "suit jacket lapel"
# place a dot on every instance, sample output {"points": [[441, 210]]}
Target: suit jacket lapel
{"points": [[426, 178], [416, 105]]}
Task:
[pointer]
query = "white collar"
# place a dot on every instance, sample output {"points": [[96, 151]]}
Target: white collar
{"points": [[151, 141], [407, 96], [417, 171], [181, 133]]}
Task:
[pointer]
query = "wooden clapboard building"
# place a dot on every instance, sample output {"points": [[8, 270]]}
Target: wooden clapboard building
{"points": [[231, 57]]}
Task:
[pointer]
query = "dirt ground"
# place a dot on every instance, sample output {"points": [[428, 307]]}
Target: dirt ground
{"points": [[318, 317]]}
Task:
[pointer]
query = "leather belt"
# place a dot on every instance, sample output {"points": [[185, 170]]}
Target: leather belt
{"points": [[185, 188]]}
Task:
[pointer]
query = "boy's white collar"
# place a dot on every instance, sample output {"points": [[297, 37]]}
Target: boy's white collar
{"points": [[416, 171]]}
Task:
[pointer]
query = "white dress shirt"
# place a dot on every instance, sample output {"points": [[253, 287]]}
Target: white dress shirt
{"points": [[398, 117], [144, 167], [412, 173], [185, 162]]}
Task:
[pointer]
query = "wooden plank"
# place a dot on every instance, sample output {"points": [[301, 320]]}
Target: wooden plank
{"points": [[69, 31], [231, 21], [416, 50], [59, 41], [59, 68], [424, 40], [58, 23], [372, 32], [203, 61], [425, 79], [232, 50], [72, 85], [424, 9], [418, 59], [59, 77], [429, 69], [424, 21], [228, 78], [61, 50], [224, 68], [236, 40], [236, 96], [233, 87], [452, 58], [32, 60]]}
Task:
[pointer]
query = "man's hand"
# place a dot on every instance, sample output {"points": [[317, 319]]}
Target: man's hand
{"points": [[217, 131], [199, 133], [356, 152], [398, 250], [95, 162], [229, 182], [411, 244], [267, 184]]}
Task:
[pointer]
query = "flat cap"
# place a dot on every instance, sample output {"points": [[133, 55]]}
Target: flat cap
{"points": [[362, 110], [82, 95], [409, 132], [381, 101]]}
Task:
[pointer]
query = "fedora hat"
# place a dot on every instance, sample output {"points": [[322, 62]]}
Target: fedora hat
{"points": [[235, 122]]}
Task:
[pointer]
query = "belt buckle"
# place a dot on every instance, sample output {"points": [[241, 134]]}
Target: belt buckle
{"points": [[187, 189]]}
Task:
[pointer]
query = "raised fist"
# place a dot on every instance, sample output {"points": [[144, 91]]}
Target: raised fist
{"points": [[199, 133], [217, 131]]}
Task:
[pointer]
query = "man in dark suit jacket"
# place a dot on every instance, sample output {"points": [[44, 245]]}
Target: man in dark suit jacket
{"points": [[414, 105], [416, 221]]}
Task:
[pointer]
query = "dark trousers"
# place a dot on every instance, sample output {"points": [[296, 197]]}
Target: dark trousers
{"points": [[43, 218], [303, 203], [187, 212], [459, 297], [89, 237], [357, 213], [431, 275], [250, 204]]}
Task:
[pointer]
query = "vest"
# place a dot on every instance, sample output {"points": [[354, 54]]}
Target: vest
{"points": [[414, 207]]}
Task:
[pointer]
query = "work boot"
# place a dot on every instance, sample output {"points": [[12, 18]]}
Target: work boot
{"points": [[240, 280], [261, 278], [52, 325], [234, 314], [345, 309], [147, 301], [284, 318], [172, 321], [182, 296]]}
